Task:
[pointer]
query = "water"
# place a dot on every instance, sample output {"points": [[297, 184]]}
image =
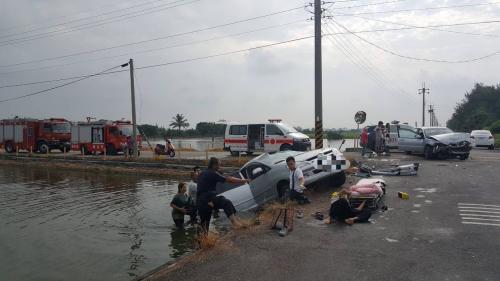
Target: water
{"points": [[201, 144], [60, 225]]}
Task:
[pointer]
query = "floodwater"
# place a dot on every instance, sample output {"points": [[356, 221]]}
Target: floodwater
{"points": [[202, 144], [61, 225]]}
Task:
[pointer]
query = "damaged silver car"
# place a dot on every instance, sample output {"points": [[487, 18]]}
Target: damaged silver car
{"points": [[434, 142], [269, 176]]}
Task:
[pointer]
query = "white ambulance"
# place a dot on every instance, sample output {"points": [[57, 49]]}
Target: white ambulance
{"points": [[264, 137]]}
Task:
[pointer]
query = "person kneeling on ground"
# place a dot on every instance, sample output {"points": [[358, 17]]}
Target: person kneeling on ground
{"points": [[207, 199], [296, 182], [341, 210], [182, 205]]}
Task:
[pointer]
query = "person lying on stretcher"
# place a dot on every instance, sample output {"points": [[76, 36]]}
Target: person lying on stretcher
{"points": [[341, 210]]}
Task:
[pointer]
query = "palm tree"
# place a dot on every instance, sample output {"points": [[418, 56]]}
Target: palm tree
{"points": [[179, 121]]}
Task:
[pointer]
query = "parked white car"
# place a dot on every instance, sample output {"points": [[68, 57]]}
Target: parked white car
{"points": [[482, 138]]}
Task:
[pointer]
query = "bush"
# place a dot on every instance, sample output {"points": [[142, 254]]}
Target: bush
{"points": [[495, 127]]}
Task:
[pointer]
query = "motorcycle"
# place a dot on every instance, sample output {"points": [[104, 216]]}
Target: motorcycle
{"points": [[167, 149]]}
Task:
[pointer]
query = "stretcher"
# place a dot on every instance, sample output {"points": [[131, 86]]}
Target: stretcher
{"points": [[370, 190]]}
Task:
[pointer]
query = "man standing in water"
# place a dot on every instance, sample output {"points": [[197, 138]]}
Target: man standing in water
{"points": [[207, 199]]}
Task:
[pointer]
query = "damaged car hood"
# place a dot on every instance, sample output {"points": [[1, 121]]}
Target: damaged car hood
{"points": [[451, 138]]}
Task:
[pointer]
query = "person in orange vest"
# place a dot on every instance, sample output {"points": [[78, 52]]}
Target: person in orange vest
{"points": [[364, 141]]}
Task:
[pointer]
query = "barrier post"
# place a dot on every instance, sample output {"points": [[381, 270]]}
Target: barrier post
{"points": [[17, 151], [31, 150], [206, 157], [47, 153], [105, 153]]}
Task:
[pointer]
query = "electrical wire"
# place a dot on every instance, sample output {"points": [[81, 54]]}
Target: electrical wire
{"points": [[423, 27], [156, 66], [154, 49], [416, 58], [59, 86], [91, 25], [157, 38], [424, 9], [85, 18], [367, 5]]}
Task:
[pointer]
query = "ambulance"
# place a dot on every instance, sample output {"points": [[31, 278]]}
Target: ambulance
{"points": [[263, 137]]}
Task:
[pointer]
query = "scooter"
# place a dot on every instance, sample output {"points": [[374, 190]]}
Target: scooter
{"points": [[167, 149]]}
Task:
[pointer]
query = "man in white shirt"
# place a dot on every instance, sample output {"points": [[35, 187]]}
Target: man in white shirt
{"points": [[192, 189], [296, 182]]}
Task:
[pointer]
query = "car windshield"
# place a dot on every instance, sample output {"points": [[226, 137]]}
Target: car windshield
{"points": [[286, 129], [126, 130], [437, 131], [60, 128]]}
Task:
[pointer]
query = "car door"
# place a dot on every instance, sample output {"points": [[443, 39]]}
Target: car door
{"points": [[272, 137], [418, 141], [261, 182], [406, 139]]}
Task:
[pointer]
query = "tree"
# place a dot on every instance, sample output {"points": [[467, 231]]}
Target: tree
{"points": [[179, 122], [479, 108]]}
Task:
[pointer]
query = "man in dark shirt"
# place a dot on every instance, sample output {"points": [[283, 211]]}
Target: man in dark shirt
{"points": [[206, 196]]}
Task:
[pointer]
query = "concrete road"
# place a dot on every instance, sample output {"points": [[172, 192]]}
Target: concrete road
{"points": [[449, 229]]}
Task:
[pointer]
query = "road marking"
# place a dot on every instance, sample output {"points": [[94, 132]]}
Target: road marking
{"points": [[480, 219], [481, 223], [479, 215], [479, 208], [483, 205]]}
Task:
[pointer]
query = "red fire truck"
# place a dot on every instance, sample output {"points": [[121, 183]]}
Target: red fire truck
{"points": [[102, 137], [35, 135]]}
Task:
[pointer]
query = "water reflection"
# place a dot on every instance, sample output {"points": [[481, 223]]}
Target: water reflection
{"points": [[92, 226]]}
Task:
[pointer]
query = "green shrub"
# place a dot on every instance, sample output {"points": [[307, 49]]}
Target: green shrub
{"points": [[495, 127]]}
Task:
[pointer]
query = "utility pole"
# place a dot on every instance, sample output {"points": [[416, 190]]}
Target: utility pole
{"points": [[431, 116], [318, 83], [422, 92], [135, 151]]}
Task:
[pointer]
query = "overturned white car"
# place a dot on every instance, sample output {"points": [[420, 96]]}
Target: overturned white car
{"points": [[269, 175]]}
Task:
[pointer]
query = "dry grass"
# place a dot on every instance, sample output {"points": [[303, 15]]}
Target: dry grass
{"points": [[265, 216], [208, 241], [186, 149]]}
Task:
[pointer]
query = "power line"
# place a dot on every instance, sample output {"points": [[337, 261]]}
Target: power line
{"points": [[156, 65], [423, 27], [155, 39], [415, 58], [59, 86], [91, 25], [424, 9], [147, 51], [86, 18], [367, 5]]}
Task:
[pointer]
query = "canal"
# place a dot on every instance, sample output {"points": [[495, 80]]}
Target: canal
{"points": [[61, 225]]}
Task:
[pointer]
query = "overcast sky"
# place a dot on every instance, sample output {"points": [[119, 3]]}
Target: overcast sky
{"points": [[272, 82]]}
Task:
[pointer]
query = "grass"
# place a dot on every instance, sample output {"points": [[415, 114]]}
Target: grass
{"points": [[497, 140], [207, 241]]}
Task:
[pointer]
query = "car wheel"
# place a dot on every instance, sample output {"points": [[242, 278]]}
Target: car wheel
{"points": [[282, 189], [464, 157], [9, 147], [491, 147], [43, 148], [338, 179], [110, 149], [428, 153], [249, 153], [285, 147]]}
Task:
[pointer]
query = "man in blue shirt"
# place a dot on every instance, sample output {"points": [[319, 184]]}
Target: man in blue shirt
{"points": [[206, 196]]}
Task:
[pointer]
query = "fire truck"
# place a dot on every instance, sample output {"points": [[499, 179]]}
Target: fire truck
{"points": [[102, 137], [35, 135]]}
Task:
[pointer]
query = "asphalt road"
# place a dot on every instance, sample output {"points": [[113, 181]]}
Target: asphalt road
{"points": [[435, 235]]}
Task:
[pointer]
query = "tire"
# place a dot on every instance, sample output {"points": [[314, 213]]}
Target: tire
{"points": [[491, 147], [43, 148], [428, 153], [110, 149], [338, 179], [249, 153], [235, 153], [9, 147], [171, 154], [282, 189], [285, 147], [464, 157]]}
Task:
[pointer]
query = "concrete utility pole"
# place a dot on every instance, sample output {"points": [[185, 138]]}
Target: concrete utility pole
{"points": [[135, 151], [422, 92], [318, 83]]}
